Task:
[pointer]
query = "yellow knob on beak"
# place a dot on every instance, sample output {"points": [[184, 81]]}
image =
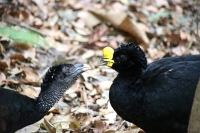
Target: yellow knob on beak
{"points": [[108, 55]]}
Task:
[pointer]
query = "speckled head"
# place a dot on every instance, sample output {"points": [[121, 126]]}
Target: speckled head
{"points": [[57, 80]]}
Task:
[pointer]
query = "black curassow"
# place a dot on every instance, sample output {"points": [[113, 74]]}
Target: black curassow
{"points": [[18, 111], [157, 97]]}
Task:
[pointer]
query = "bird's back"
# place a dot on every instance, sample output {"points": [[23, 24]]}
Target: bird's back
{"points": [[169, 88]]}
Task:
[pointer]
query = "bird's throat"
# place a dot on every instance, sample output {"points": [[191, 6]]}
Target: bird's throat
{"points": [[49, 97]]}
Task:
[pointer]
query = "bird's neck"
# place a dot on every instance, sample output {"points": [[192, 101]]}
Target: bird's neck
{"points": [[126, 90], [48, 97], [130, 76], [127, 79], [126, 84]]}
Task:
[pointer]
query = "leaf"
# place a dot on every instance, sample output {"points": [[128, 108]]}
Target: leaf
{"points": [[22, 35], [99, 125], [29, 91], [84, 96], [157, 16], [92, 20], [194, 116], [64, 120], [49, 126], [75, 125], [59, 128], [84, 111], [135, 130], [15, 71], [30, 74], [104, 85], [2, 77], [18, 56], [161, 3], [123, 22], [109, 131], [4, 64]]}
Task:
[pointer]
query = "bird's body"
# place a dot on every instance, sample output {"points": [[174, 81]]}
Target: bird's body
{"points": [[158, 97], [18, 111]]}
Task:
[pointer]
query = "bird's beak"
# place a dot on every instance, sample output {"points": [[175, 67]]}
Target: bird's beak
{"points": [[86, 67], [80, 68]]}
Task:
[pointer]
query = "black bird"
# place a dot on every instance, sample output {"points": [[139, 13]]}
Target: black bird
{"points": [[157, 97], [18, 111]]}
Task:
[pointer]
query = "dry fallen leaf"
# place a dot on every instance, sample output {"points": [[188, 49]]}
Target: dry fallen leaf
{"points": [[123, 22], [109, 131], [30, 74], [4, 64], [75, 125], [104, 85], [84, 96], [179, 50], [65, 120], [135, 130], [2, 77], [18, 56], [50, 128], [185, 36], [99, 126], [98, 33], [49, 116], [59, 128], [29, 91], [155, 54], [101, 101], [161, 3]]}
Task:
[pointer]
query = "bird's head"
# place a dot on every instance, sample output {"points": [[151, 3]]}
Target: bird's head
{"points": [[64, 75], [125, 58], [57, 80]]}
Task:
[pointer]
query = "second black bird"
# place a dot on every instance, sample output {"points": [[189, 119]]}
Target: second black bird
{"points": [[157, 97]]}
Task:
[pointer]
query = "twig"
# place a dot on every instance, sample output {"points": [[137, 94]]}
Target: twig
{"points": [[194, 121]]}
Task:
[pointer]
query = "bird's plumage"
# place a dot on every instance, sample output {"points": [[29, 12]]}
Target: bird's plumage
{"points": [[18, 111], [158, 97]]}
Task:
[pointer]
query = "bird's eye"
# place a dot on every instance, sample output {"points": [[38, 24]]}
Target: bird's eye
{"points": [[68, 69], [123, 57]]}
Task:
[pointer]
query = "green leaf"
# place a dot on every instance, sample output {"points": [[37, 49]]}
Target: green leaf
{"points": [[14, 72], [7, 87], [157, 16], [22, 35]]}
